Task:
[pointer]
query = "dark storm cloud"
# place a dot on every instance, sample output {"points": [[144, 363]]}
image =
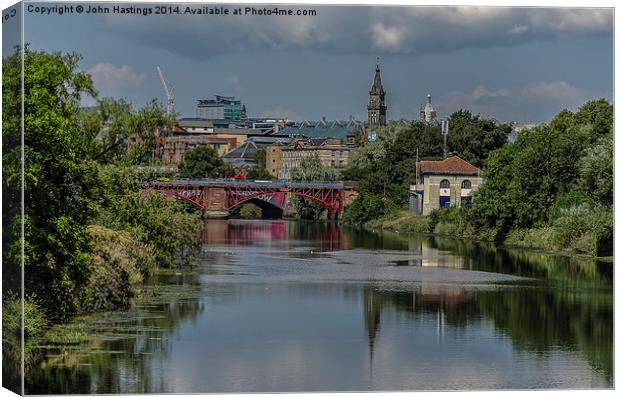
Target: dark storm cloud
{"points": [[362, 30]]}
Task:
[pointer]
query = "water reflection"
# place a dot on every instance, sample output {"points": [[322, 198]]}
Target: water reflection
{"points": [[535, 319], [122, 347], [291, 306]]}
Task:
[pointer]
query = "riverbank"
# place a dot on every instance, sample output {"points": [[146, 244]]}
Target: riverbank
{"points": [[542, 239]]}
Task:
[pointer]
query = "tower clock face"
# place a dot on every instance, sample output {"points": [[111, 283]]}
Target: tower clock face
{"points": [[373, 102]]}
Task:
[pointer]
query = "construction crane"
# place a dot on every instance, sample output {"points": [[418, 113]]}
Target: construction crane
{"points": [[169, 91]]}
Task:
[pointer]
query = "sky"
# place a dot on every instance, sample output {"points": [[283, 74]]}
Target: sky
{"points": [[511, 64]]}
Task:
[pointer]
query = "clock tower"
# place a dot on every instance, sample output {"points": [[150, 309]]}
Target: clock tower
{"points": [[377, 111]]}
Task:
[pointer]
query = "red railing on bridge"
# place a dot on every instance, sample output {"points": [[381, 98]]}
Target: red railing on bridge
{"points": [[197, 192]]}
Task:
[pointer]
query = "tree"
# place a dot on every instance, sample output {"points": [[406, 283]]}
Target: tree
{"points": [[57, 179], [524, 180], [260, 171], [204, 161], [107, 126], [310, 169], [596, 171], [474, 138]]}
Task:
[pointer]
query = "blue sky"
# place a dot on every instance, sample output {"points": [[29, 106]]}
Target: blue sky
{"points": [[512, 64]]}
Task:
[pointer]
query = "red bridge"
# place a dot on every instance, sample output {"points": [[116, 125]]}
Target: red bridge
{"points": [[217, 196]]}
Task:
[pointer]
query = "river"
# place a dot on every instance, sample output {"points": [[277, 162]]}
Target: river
{"points": [[286, 306]]}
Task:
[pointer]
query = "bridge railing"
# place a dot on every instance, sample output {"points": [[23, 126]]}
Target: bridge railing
{"points": [[244, 182]]}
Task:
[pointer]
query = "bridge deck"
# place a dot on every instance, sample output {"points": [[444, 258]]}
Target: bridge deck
{"points": [[245, 183]]}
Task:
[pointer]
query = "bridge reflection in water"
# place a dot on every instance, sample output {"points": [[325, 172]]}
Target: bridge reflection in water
{"points": [[276, 233]]}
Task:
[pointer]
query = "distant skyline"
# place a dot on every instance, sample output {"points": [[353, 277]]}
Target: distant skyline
{"points": [[512, 64]]}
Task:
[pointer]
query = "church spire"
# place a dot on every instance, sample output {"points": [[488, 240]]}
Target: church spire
{"points": [[377, 87], [377, 110]]}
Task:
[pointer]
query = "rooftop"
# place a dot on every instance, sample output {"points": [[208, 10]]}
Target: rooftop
{"points": [[451, 166], [323, 128]]}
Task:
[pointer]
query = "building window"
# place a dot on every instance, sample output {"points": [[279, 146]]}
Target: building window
{"points": [[466, 184], [444, 184]]}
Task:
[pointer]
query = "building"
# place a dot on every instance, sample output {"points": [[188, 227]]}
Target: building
{"points": [[325, 128], [245, 157], [441, 184], [333, 153], [222, 107], [377, 110], [175, 147], [227, 130], [428, 114]]}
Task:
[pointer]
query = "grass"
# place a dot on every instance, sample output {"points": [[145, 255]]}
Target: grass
{"points": [[401, 221]]}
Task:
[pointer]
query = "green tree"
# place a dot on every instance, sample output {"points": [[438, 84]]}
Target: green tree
{"points": [[202, 161], [310, 169], [524, 180], [596, 171], [260, 171], [250, 211], [473, 138], [57, 179]]}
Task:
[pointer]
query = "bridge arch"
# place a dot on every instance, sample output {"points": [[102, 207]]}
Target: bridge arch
{"points": [[269, 209], [257, 195]]}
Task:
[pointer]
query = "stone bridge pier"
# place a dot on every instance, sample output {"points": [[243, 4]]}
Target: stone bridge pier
{"points": [[215, 203]]}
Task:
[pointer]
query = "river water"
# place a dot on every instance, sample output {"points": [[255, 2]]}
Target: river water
{"points": [[285, 306]]}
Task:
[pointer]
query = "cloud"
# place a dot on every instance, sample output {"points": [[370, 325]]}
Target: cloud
{"points": [[363, 30], [388, 38], [554, 90], [526, 103], [478, 100], [113, 81]]}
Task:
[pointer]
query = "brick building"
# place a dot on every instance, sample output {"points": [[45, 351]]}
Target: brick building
{"points": [[442, 184]]}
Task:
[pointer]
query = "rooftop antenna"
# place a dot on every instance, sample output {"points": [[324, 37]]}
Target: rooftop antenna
{"points": [[417, 157], [445, 126], [169, 92]]}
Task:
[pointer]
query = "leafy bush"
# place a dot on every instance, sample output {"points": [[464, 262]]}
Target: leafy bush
{"points": [[415, 224], [365, 208], [117, 264], [584, 228], [162, 223], [34, 325], [587, 229], [250, 211]]}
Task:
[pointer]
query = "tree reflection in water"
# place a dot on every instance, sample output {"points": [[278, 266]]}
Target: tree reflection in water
{"points": [[112, 359]]}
